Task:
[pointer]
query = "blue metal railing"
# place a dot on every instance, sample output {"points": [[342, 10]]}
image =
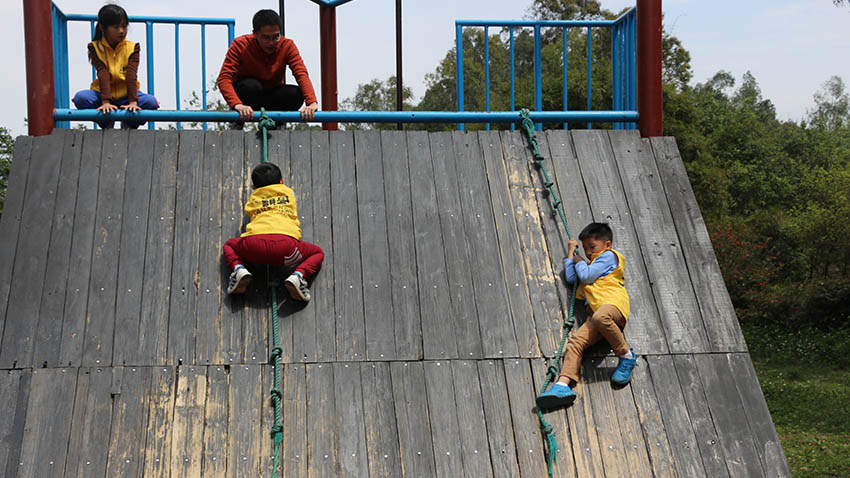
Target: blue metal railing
{"points": [[623, 54], [60, 54]]}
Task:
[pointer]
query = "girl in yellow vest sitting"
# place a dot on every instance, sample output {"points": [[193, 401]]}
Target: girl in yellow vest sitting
{"points": [[602, 285], [116, 61]]}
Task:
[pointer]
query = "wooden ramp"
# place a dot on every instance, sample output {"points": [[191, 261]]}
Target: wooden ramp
{"points": [[440, 298]]}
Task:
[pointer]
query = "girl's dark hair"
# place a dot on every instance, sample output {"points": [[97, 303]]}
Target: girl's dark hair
{"points": [[265, 174], [110, 14]]}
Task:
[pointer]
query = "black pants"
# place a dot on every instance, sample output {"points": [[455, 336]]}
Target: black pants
{"points": [[281, 98]]}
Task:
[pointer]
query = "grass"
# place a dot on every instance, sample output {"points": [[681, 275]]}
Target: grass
{"points": [[808, 394]]}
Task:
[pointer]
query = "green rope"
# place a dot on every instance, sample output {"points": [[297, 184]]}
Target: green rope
{"points": [[276, 433], [551, 444]]}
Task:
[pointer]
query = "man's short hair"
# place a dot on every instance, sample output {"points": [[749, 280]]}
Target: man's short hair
{"points": [[597, 230], [265, 174], [264, 18]]}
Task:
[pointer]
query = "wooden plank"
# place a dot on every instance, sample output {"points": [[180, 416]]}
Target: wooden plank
{"points": [[723, 329], [14, 391], [298, 325], [130, 415], [188, 421], [497, 334], [758, 416], [348, 398], [662, 250], [246, 400], [184, 268], [730, 419], [215, 455], [10, 220], [208, 326], [132, 252], [323, 286], [442, 411], [513, 272], [82, 243], [542, 281], [233, 191], [470, 419], [149, 340], [585, 439], [294, 452], [48, 423], [700, 415], [374, 245], [649, 414], [266, 453], [100, 313], [411, 411], [407, 320], [500, 435], [382, 444], [348, 298], [51, 312], [564, 462], [438, 322], [608, 203], [617, 424], [529, 446], [92, 418], [456, 247], [31, 255], [157, 446], [322, 424], [674, 412]]}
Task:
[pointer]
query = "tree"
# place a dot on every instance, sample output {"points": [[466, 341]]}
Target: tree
{"points": [[7, 150], [376, 95], [832, 106]]}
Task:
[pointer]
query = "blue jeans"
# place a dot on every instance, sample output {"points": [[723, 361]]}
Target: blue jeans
{"points": [[90, 99]]}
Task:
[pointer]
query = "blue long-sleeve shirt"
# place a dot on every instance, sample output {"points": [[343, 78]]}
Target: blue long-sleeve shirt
{"points": [[587, 274]]}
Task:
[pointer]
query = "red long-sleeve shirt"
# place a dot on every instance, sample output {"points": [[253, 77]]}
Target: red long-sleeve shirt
{"points": [[245, 58]]}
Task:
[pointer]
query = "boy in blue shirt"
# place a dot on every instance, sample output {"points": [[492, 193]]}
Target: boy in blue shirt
{"points": [[602, 285]]}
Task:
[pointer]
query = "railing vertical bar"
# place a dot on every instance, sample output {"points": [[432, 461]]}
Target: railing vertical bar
{"points": [[564, 72], [61, 85], [487, 73], [93, 71], [177, 67], [204, 71], [459, 68], [513, 102], [149, 62], [538, 72], [632, 86], [615, 71], [589, 73]]}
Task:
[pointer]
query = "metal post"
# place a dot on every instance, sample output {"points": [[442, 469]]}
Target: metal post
{"points": [[281, 4], [459, 72], [487, 73], [327, 34], [38, 38], [399, 84], [538, 73], [649, 67], [513, 93]]}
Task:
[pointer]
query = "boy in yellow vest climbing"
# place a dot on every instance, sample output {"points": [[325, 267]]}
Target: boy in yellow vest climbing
{"points": [[273, 236], [602, 285]]}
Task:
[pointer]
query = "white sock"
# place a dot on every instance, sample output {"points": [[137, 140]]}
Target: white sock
{"points": [[629, 355], [299, 274], [562, 383], [237, 267]]}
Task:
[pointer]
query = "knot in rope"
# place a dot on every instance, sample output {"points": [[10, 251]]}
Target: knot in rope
{"points": [[265, 122], [276, 393], [275, 354]]}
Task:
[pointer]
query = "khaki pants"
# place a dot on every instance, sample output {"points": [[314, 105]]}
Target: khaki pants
{"points": [[606, 323]]}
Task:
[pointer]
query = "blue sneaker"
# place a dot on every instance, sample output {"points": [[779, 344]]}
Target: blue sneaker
{"points": [[557, 396], [623, 373]]}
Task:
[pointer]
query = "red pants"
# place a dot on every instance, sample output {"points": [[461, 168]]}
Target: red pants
{"points": [[274, 249]]}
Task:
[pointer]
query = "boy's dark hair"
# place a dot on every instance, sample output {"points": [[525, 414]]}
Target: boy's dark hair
{"points": [[265, 174], [109, 15], [264, 18], [597, 230]]}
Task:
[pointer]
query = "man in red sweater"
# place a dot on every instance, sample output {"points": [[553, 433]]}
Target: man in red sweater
{"points": [[251, 76]]}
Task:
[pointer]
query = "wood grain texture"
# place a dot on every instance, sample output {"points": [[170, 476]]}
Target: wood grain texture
{"points": [[294, 452], [724, 332], [470, 416], [652, 424], [322, 426], [494, 396], [564, 462], [323, 288], [245, 434], [414, 428], [442, 411], [129, 418], [87, 450], [188, 421], [380, 422], [233, 191], [348, 398], [48, 423], [529, 446], [157, 446], [216, 426]]}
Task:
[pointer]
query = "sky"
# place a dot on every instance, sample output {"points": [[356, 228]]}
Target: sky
{"points": [[791, 46]]}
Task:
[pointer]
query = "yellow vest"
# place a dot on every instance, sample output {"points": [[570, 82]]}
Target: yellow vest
{"points": [[609, 290], [272, 210], [116, 62]]}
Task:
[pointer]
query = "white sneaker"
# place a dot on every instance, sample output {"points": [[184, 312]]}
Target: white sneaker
{"points": [[239, 280], [297, 288]]}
